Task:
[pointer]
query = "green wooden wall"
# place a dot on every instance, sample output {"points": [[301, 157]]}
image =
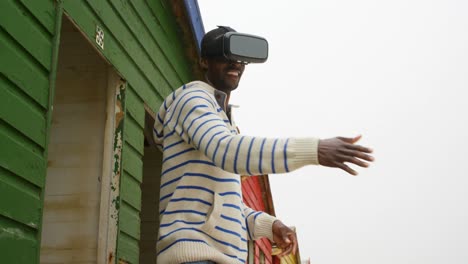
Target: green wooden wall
{"points": [[142, 42], [27, 30]]}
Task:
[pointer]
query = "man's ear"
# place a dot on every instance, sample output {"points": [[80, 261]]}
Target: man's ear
{"points": [[204, 64]]}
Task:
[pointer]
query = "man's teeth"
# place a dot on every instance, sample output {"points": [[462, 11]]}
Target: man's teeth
{"points": [[234, 73]]}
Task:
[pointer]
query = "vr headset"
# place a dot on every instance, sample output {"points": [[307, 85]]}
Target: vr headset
{"points": [[237, 46]]}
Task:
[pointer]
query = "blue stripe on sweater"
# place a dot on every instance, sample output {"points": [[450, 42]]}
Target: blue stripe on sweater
{"points": [[261, 156], [192, 136], [230, 193], [191, 110], [202, 175], [207, 131], [200, 231], [181, 221], [248, 156], [211, 139], [273, 156], [231, 232], [247, 224], [184, 212], [165, 197], [178, 154], [237, 155], [193, 187], [217, 146], [185, 163], [173, 144], [232, 206], [256, 215], [195, 119], [285, 155], [197, 241], [188, 115], [225, 152], [185, 199], [158, 134], [232, 219], [178, 102]]}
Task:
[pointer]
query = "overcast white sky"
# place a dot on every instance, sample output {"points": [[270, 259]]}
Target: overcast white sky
{"points": [[395, 72]]}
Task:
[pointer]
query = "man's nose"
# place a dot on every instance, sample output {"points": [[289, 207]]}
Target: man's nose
{"points": [[237, 64]]}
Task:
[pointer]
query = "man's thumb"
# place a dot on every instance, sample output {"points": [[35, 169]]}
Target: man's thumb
{"points": [[350, 140]]}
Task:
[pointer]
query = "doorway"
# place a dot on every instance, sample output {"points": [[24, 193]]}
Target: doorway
{"points": [[78, 157]]}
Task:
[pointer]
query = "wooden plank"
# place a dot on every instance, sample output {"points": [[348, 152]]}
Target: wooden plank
{"points": [[133, 134], [16, 110], [163, 14], [115, 25], [24, 72], [127, 248], [130, 191], [16, 157], [129, 220], [44, 11], [135, 107], [86, 19], [132, 163], [251, 196], [26, 31], [264, 245], [171, 50], [27, 207], [18, 243], [147, 44]]}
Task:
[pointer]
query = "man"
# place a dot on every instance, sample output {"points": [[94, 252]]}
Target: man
{"points": [[202, 216]]}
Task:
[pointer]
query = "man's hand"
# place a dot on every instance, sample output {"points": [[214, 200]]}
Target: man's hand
{"points": [[334, 152], [284, 238]]}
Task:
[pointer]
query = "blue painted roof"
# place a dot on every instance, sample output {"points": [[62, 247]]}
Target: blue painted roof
{"points": [[193, 12]]}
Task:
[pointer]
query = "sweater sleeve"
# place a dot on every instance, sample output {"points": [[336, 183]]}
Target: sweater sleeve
{"points": [[259, 224], [196, 117]]}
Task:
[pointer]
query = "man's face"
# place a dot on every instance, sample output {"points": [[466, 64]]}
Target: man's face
{"points": [[223, 74]]}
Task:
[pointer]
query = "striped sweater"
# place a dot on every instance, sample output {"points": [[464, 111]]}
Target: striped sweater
{"points": [[202, 216]]}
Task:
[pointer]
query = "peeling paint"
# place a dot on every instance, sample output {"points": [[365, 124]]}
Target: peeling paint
{"points": [[116, 169], [13, 232]]}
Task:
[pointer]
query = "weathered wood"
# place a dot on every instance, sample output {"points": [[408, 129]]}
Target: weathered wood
{"points": [[135, 106], [25, 73], [130, 191], [134, 134], [84, 16], [149, 46], [127, 248], [129, 220], [17, 110], [27, 205], [20, 159], [18, 243], [132, 163], [171, 48], [107, 235], [44, 11], [26, 31], [117, 27]]}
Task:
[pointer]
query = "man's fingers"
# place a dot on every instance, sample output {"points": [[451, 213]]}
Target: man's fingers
{"points": [[350, 140], [346, 158], [346, 168], [294, 243], [287, 250], [357, 154], [359, 148]]}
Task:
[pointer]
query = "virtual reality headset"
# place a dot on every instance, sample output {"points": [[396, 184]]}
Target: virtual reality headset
{"points": [[235, 46]]}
